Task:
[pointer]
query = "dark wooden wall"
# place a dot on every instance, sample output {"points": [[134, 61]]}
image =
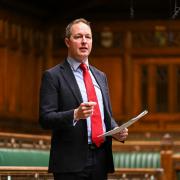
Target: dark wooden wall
{"points": [[141, 60]]}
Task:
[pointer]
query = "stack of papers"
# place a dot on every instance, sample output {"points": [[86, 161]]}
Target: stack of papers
{"points": [[125, 125]]}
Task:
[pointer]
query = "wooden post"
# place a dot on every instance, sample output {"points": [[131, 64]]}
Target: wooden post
{"points": [[166, 157]]}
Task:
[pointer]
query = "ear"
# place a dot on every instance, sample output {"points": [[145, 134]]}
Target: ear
{"points": [[66, 40]]}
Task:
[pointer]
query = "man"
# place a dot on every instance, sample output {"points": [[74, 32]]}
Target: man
{"points": [[76, 115]]}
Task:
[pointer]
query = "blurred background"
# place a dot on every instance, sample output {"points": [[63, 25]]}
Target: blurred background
{"points": [[136, 43]]}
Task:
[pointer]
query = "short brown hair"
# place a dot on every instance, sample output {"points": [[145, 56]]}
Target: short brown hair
{"points": [[68, 28]]}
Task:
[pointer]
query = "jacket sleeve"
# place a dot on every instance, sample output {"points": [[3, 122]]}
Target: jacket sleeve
{"points": [[50, 116]]}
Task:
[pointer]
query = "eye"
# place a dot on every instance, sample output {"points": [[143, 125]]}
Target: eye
{"points": [[78, 36], [81, 36], [88, 37]]}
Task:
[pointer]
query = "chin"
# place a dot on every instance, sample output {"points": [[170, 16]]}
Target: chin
{"points": [[82, 58]]}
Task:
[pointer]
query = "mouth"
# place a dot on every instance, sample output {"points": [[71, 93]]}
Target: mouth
{"points": [[83, 49]]}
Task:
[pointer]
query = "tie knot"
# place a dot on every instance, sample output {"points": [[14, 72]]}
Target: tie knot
{"points": [[83, 67]]}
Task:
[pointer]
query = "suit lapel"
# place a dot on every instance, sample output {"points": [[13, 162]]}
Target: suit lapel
{"points": [[100, 83], [103, 87], [71, 81]]}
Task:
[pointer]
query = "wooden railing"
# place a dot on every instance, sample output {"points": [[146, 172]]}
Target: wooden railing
{"points": [[41, 173], [137, 173], [23, 173], [28, 141]]}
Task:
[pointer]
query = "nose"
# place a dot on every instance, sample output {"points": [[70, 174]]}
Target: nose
{"points": [[84, 39]]}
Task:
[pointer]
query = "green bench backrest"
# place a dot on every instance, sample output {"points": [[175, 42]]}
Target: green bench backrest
{"points": [[26, 157], [136, 159], [23, 157]]}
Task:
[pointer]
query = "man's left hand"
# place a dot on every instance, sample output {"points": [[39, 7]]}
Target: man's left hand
{"points": [[122, 135]]}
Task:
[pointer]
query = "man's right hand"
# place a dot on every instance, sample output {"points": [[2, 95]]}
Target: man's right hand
{"points": [[84, 111]]}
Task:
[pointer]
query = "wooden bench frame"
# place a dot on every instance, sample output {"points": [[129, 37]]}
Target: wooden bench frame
{"points": [[25, 171], [142, 173], [36, 172]]}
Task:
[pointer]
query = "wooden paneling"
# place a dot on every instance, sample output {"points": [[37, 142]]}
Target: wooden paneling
{"points": [[28, 47], [3, 87], [112, 66], [157, 121], [21, 66]]}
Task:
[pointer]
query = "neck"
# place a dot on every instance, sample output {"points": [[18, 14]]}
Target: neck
{"points": [[78, 60]]}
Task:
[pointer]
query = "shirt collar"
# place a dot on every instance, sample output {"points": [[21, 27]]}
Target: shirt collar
{"points": [[75, 64]]}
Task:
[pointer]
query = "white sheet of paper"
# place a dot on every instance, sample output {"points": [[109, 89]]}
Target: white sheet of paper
{"points": [[125, 125]]}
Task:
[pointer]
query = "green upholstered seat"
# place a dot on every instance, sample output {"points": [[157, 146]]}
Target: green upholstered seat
{"points": [[23, 157], [26, 157], [136, 159]]}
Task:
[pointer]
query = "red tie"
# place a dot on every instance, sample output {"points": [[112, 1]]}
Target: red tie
{"points": [[96, 120]]}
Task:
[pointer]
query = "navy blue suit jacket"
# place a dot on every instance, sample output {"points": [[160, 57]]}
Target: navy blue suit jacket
{"points": [[59, 96]]}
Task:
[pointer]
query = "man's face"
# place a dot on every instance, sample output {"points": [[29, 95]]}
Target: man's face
{"points": [[80, 42]]}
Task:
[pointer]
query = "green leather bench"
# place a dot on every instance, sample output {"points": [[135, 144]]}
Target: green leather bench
{"points": [[27, 157], [136, 159], [23, 157]]}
